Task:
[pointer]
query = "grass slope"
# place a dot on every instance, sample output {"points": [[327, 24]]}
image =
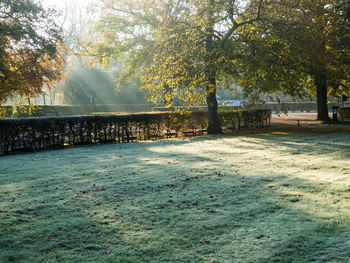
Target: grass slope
{"points": [[274, 197]]}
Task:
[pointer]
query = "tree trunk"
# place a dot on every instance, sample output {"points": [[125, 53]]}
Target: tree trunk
{"points": [[322, 101], [167, 96], [213, 118], [210, 72]]}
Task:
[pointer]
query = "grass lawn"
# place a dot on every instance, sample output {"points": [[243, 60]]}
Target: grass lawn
{"points": [[268, 197]]}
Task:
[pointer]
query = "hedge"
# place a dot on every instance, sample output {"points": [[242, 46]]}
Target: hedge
{"points": [[42, 133], [8, 111]]}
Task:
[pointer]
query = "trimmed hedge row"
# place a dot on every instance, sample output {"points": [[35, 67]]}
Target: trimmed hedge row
{"points": [[20, 111], [34, 134]]}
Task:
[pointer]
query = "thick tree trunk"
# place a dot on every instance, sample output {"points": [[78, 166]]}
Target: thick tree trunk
{"points": [[213, 118], [322, 101], [210, 72]]}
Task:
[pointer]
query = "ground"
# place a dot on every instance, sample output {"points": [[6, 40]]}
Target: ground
{"points": [[273, 195]]}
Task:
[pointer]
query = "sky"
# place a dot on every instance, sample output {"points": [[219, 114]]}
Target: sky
{"points": [[79, 5], [60, 3], [71, 9]]}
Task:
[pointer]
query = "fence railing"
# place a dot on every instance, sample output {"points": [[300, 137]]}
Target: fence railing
{"points": [[34, 134]]}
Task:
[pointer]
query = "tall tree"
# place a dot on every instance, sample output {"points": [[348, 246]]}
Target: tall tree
{"points": [[302, 46], [31, 49], [179, 48]]}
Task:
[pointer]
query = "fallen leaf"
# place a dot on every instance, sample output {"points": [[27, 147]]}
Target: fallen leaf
{"points": [[260, 236], [205, 241]]}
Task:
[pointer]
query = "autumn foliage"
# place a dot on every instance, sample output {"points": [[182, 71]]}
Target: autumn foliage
{"points": [[31, 49]]}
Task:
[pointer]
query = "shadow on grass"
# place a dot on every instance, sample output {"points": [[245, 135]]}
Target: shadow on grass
{"points": [[304, 141], [171, 201]]}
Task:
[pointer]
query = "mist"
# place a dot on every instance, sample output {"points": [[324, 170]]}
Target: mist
{"points": [[86, 82]]}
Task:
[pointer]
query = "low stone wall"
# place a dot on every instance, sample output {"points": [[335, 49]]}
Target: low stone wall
{"points": [[275, 107], [293, 106]]}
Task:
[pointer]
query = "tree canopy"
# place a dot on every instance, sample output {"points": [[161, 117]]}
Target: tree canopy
{"points": [[302, 46], [178, 48], [31, 48], [186, 49]]}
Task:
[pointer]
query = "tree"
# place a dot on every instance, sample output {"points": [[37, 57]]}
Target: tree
{"points": [[178, 48], [31, 48], [84, 86], [339, 40], [301, 45]]}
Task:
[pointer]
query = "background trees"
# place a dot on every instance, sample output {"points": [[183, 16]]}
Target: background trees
{"points": [[85, 86], [87, 83], [31, 48], [301, 46], [178, 48]]}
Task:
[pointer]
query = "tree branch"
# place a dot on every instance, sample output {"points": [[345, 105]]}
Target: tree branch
{"points": [[238, 25]]}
